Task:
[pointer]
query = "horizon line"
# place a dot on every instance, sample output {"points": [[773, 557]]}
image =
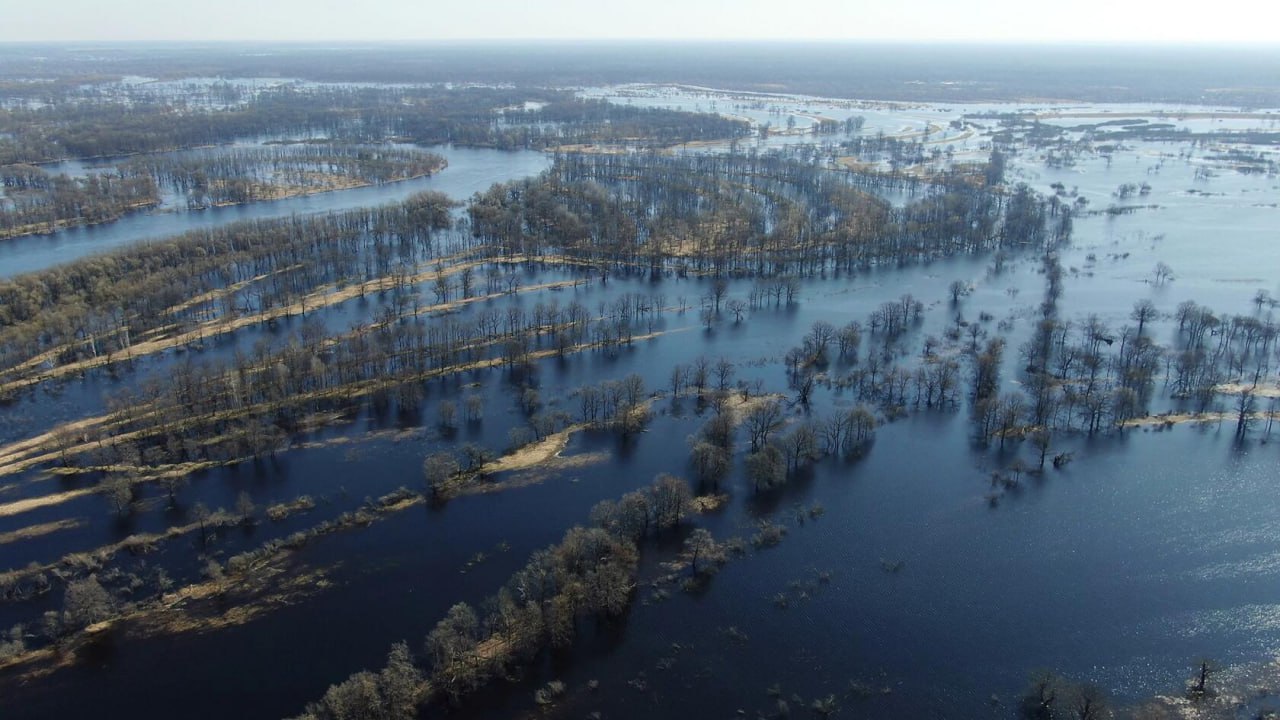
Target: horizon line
{"points": [[830, 41]]}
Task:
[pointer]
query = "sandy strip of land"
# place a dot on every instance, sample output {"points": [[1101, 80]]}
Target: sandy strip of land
{"points": [[35, 531], [21, 506], [44, 228], [1164, 114], [533, 453], [270, 586], [223, 292], [320, 298], [537, 473], [29, 453], [40, 442], [1183, 418], [1261, 391]]}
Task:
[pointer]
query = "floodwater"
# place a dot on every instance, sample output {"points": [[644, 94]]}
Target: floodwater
{"points": [[470, 170], [1148, 552]]}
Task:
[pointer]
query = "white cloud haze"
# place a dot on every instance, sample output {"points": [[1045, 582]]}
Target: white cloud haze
{"points": [[1141, 21]]}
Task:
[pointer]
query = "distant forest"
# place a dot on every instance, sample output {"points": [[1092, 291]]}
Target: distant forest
{"points": [[64, 124], [1247, 76]]}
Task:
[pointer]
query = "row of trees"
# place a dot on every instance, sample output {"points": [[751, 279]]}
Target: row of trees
{"points": [[251, 401], [241, 175], [590, 573], [774, 457]]}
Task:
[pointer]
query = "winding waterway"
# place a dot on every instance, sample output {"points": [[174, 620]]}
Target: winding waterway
{"points": [[470, 170]]}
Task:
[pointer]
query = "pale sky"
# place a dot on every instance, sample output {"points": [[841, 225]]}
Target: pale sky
{"points": [[1136, 21]]}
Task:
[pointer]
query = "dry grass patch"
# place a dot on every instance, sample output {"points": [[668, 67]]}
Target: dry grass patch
{"points": [[35, 531]]}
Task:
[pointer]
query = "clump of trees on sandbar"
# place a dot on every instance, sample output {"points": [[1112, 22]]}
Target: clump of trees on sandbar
{"points": [[590, 573], [242, 175]]}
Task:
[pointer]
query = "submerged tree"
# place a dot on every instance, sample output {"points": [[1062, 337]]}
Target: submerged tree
{"points": [[119, 492], [86, 602], [391, 694], [766, 468], [703, 554], [761, 421], [437, 469], [671, 500]]}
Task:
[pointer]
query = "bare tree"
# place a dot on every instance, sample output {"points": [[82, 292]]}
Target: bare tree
{"points": [[702, 552], [474, 407], [1246, 403], [671, 498], [723, 371], [245, 508], [1200, 687], [201, 513], [1090, 704], [766, 468], [1144, 311], [719, 287], [447, 412], [86, 602], [1041, 440], [761, 421], [437, 469], [119, 492], [679, 378], [710, 462], [800, 446]]}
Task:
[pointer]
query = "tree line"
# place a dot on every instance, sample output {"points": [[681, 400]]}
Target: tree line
{"points": [[103, 125], [242, 175], [35, 201], [589, 574], [99, 305], [748, 214]]}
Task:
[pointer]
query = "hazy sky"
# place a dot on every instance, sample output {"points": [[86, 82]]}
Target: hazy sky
{"points": [[1251, 21]]}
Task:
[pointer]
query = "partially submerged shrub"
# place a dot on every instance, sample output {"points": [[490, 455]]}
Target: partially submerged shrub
{"points": [[768, 534], [549, 693]]}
